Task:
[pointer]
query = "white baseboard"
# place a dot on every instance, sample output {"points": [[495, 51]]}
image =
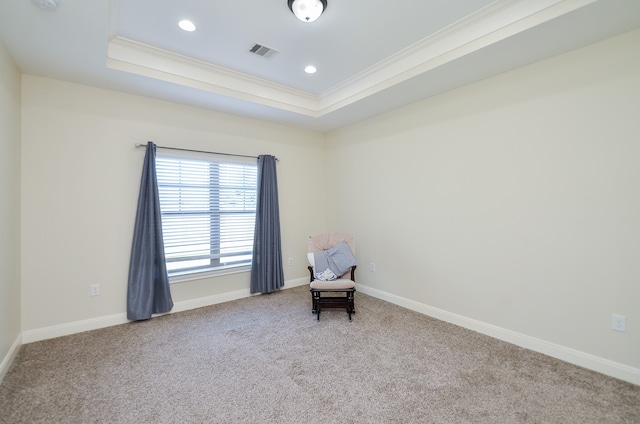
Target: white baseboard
{"points": [[576, 357], [201, 302], [573, 356], [296, 283], [30, 336], [54, 331], [8, 359]]}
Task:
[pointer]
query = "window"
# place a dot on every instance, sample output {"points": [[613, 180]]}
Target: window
{"points": [[208, 209]]}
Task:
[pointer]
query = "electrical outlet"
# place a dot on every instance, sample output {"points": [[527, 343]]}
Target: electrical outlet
{"points": [[290, 261], [372, 267], [618, 322], [95, 289]]}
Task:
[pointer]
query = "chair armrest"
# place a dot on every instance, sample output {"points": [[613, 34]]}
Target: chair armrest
{"points": [[311, 277]]}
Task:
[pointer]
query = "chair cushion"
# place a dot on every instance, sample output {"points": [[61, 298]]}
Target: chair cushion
{"points": [[332, 285]]}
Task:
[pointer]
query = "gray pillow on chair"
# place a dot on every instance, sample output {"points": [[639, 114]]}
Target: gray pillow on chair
{"points": [[339, 259], [342, 258]]}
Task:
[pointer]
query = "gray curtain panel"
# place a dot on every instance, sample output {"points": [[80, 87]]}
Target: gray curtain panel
{"points": [[266, 267], [148, 292]]}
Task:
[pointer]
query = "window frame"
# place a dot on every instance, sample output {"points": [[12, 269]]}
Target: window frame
{"points": [[211, 270]]}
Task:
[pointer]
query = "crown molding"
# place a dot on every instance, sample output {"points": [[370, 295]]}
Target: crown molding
{"points": [[142, 59], [496, 22]]}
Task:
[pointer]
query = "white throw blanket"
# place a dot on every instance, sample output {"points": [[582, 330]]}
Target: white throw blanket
{"points": [[326, 275]]}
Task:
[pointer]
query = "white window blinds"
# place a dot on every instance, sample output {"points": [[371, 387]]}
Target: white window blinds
{"points": [[208, 211]]}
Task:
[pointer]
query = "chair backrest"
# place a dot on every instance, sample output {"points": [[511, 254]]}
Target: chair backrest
{"points": [[325, 241]]}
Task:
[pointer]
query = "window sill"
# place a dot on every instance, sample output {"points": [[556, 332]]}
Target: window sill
{"points": [[199, 275]]}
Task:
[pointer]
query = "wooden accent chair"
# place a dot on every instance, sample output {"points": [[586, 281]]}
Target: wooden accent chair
{"points": [[337, 293]]}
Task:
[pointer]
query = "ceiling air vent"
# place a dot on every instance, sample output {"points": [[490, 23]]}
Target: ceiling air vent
{"points": [[263, 51]]}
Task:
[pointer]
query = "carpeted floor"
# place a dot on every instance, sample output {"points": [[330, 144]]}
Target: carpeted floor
{"points": [[266, 359]]}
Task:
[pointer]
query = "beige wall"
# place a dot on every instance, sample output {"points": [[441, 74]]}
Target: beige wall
{"points": [[9, 207], [81, 176], [514, 201]]}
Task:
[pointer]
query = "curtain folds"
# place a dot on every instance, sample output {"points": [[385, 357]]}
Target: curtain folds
{"points": [[267, 274], [148, 291]]}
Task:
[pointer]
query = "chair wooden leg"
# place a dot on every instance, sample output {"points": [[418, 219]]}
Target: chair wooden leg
{"points": [[315, 299], [350, 308], [346, 301]]}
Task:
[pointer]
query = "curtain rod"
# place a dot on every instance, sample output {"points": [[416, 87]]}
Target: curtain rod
{"points": [[199, 151]]}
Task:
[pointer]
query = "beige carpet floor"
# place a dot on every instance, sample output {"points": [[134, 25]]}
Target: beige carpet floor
{"points": [[266, 359]]}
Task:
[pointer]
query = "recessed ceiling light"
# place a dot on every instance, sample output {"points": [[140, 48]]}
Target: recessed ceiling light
{"points": [[310, 69], [187, 25]]}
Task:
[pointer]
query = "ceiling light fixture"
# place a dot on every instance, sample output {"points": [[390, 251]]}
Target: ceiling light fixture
{"points": [[307, 10], [46, 4], [187, 25], [310, 69]]}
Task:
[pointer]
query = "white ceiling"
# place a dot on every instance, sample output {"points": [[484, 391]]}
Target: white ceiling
{"points": [[372, 55]]}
